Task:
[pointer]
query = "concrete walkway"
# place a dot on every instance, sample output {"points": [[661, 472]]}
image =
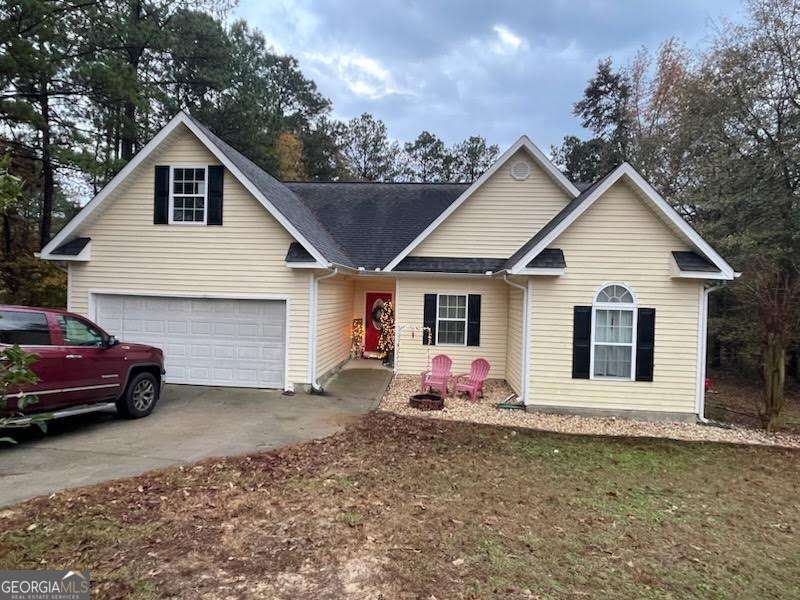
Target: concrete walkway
{"points": [[190, 423]]}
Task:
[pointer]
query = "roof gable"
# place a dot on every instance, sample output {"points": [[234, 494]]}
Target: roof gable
{"points": [[571, 212], [523, 143], [279, 201]]}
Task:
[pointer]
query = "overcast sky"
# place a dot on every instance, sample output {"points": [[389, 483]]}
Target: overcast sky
{"points": [[496, 68]]}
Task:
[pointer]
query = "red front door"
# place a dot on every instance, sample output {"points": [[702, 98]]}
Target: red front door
{"points": [[372, 326]]}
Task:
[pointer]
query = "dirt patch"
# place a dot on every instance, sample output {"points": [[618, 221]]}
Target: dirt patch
{"points": [[484, 411], [734, 399], [397, 507]]}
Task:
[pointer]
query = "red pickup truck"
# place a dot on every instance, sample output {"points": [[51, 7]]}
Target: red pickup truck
{"points": [[80, 367]]}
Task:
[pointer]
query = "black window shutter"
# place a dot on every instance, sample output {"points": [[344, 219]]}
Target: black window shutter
{"points": [[429, 320], [474, 320], [645, 343], [161, 196], [215, 179], [581, 341]]}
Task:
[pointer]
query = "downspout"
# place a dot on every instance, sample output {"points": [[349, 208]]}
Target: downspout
{"points": [[524, 373], [702, 350], [312, 334]]}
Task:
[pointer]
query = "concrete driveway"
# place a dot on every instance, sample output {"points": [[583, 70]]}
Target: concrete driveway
{"points": [[190, 423]]}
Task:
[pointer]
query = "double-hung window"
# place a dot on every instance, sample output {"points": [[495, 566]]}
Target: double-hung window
{"points": [[451, 319], [188, 195], [613, 333]]}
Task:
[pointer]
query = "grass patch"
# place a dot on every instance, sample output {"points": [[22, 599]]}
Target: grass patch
{"points": [[351, 518], [399, 507]]}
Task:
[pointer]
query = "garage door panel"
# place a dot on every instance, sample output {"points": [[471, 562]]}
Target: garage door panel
{"points": [[175, 350], [225, 329], [154, 327], [200, 327], [223, 375], [205, 341], [111, 308], [177, 327], [133, 325], [111, 323], [224, 352], [134, 306]]}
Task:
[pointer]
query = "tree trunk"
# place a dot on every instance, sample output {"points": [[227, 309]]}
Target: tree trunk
{"points": [[134, 51], [774, 380], [129, 130], [45, 221], [793, 369], [7, 235]]}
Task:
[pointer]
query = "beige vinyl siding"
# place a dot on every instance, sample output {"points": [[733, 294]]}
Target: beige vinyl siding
{"points": [[514, 339], [412, 356], [243, 256], [619, 239], [499, 217], [335, 301]]}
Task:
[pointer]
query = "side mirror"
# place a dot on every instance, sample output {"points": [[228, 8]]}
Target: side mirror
{"points": [[111, 341]]}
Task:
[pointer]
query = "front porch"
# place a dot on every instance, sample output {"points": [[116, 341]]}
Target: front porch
{"points": [[484, 321]]}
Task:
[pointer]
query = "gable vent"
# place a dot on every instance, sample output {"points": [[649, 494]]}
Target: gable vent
{"points": [[520, 170]]}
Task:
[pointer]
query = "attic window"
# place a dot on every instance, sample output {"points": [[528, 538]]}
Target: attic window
{"points": [[520, 170], [188, 197]]}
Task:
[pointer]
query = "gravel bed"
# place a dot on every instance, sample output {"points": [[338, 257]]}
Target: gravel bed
{"points": [[460, 409]]}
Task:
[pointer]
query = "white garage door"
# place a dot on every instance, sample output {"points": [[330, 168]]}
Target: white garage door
{"points": [[205, 341]]}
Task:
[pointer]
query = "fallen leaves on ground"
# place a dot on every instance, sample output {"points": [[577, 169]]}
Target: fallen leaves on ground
{"points": [[398, 507]]}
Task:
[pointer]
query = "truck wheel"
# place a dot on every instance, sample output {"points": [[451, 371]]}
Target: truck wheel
{"points": [[140, 396]]}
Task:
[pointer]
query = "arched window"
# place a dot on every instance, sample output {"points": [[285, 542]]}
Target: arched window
{"points": [[613, 332]]}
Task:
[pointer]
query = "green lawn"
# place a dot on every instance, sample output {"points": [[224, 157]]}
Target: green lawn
{"points": [[404, 508]]}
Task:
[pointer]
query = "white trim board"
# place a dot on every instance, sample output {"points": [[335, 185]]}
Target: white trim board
{"points": [[304, 265], [287, 385], [180, 119], [522, 143], [542, 271], [653, 197]]}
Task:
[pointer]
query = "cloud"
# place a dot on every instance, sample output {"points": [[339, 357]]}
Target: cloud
{"points": [[507, 41], [364, 76], [461, 67]]}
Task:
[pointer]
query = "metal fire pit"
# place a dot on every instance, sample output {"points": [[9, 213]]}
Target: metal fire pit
{"points": [[426, 402]]}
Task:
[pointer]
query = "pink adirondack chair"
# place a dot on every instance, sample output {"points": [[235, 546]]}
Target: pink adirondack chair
{"points": [[472, 383], [439, 375]]}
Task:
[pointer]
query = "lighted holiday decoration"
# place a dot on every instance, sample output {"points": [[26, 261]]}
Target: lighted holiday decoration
{"points": [[386, 340], [357, 338]]}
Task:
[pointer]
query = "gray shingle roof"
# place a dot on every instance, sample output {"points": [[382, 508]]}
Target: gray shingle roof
{"points": [[549, 258], [692, 261], [443, 264], [374, 222], [72, 247], [283, 199]]}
